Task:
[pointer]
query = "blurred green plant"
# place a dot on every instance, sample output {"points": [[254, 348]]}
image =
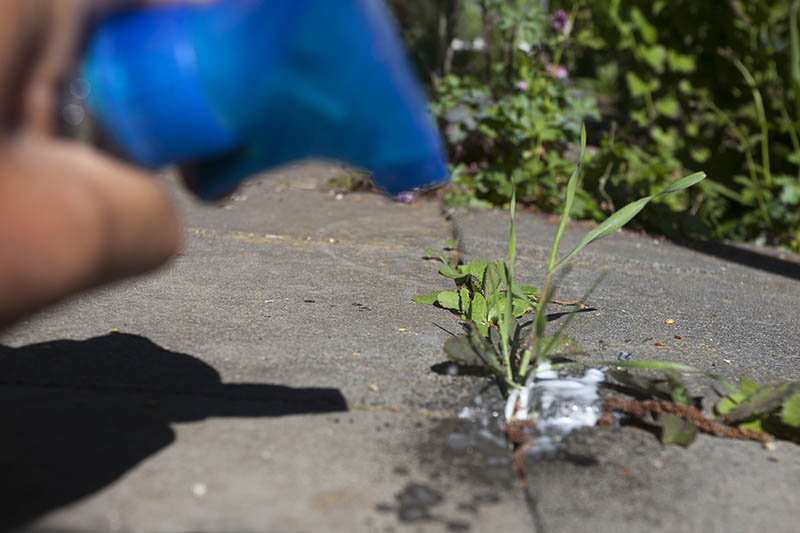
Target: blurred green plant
{"points": [[690, 84], [675, 85], [504, 99]]}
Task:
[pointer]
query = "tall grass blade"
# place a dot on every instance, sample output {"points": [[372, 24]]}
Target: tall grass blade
{"points": [[512, 235], [572, 185], [624, 215]]}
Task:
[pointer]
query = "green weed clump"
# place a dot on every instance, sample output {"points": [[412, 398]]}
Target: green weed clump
{"points": [[491, 303]]}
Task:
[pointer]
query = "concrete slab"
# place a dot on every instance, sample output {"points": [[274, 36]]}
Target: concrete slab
{"points": [[275, 377], [735, 313]]}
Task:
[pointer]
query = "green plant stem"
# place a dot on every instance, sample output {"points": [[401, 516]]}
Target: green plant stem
{"points": [[792, 131], [760, 112], [540, 309], [751, 165]]}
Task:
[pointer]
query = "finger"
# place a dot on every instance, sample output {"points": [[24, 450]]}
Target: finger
{"points": [[58, 55]]}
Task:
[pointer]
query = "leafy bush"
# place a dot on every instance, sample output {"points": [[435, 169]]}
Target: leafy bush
{"points": [[504, 100], [674, 87]]}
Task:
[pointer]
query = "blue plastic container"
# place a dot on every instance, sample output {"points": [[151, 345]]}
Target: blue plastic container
{"points": [[238, 86]]}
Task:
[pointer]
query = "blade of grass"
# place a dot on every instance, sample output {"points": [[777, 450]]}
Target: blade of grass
{"points": [[624, 215], [572, 185]]}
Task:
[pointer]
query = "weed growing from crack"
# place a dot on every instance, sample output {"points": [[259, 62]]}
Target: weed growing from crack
{"points": [[491, 302]]}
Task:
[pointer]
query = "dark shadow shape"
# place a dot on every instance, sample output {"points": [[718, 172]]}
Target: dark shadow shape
{"points": [[749, 258], [77, 415], [555, 316], [449, 368]]}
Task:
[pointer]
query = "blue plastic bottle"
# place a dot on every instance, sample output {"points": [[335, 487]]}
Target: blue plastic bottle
{"points": [[238, 86]]}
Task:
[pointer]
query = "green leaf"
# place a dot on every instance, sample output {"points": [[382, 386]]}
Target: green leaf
{"points": [[677, 389], [668, 106], [430, 298], [765, 400], [790, 414], [477, 311], [448, 300], [676, 430], [478, 269], [465, 300], [450, 244], [528, 290], [430, 253], [450, 272], [680, 62], [730, 401], [757, 424], [748, 386], [654, 55], [572, 185], [624, 215], [639, 87], [512, 232], [651, 365]]}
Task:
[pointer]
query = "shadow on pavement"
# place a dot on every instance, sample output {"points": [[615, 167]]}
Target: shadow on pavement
{"points": [[750, 258], [77, 415]]}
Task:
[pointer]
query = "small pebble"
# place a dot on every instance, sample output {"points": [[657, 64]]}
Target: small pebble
{"points": [[199, 489], [373, 387], [624, 356]]}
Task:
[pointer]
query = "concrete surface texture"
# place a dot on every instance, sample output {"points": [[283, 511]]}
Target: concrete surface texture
{"points": [[276, 377]]}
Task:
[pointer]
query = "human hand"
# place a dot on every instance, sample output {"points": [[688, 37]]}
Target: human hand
{"points": [[70, 217]]}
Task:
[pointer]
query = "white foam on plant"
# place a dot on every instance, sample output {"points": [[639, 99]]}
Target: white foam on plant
{"points": [[559, 404]]}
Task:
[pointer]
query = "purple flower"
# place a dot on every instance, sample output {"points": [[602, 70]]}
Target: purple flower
{"points": [[522, 85], [560, 21], [407, 197], [559, 72]]}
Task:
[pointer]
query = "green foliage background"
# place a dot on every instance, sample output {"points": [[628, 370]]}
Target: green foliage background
{"points": [[666, 88]]}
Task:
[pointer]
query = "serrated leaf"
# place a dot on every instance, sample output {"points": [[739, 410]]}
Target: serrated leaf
{"points": [[430, 298], [464, 300], [478, 269], [448, 300], [477, 310], [790, 413], [676, 430]]}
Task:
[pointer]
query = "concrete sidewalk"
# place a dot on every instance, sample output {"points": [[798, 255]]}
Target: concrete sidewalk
{"points": [[277, 377]]}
